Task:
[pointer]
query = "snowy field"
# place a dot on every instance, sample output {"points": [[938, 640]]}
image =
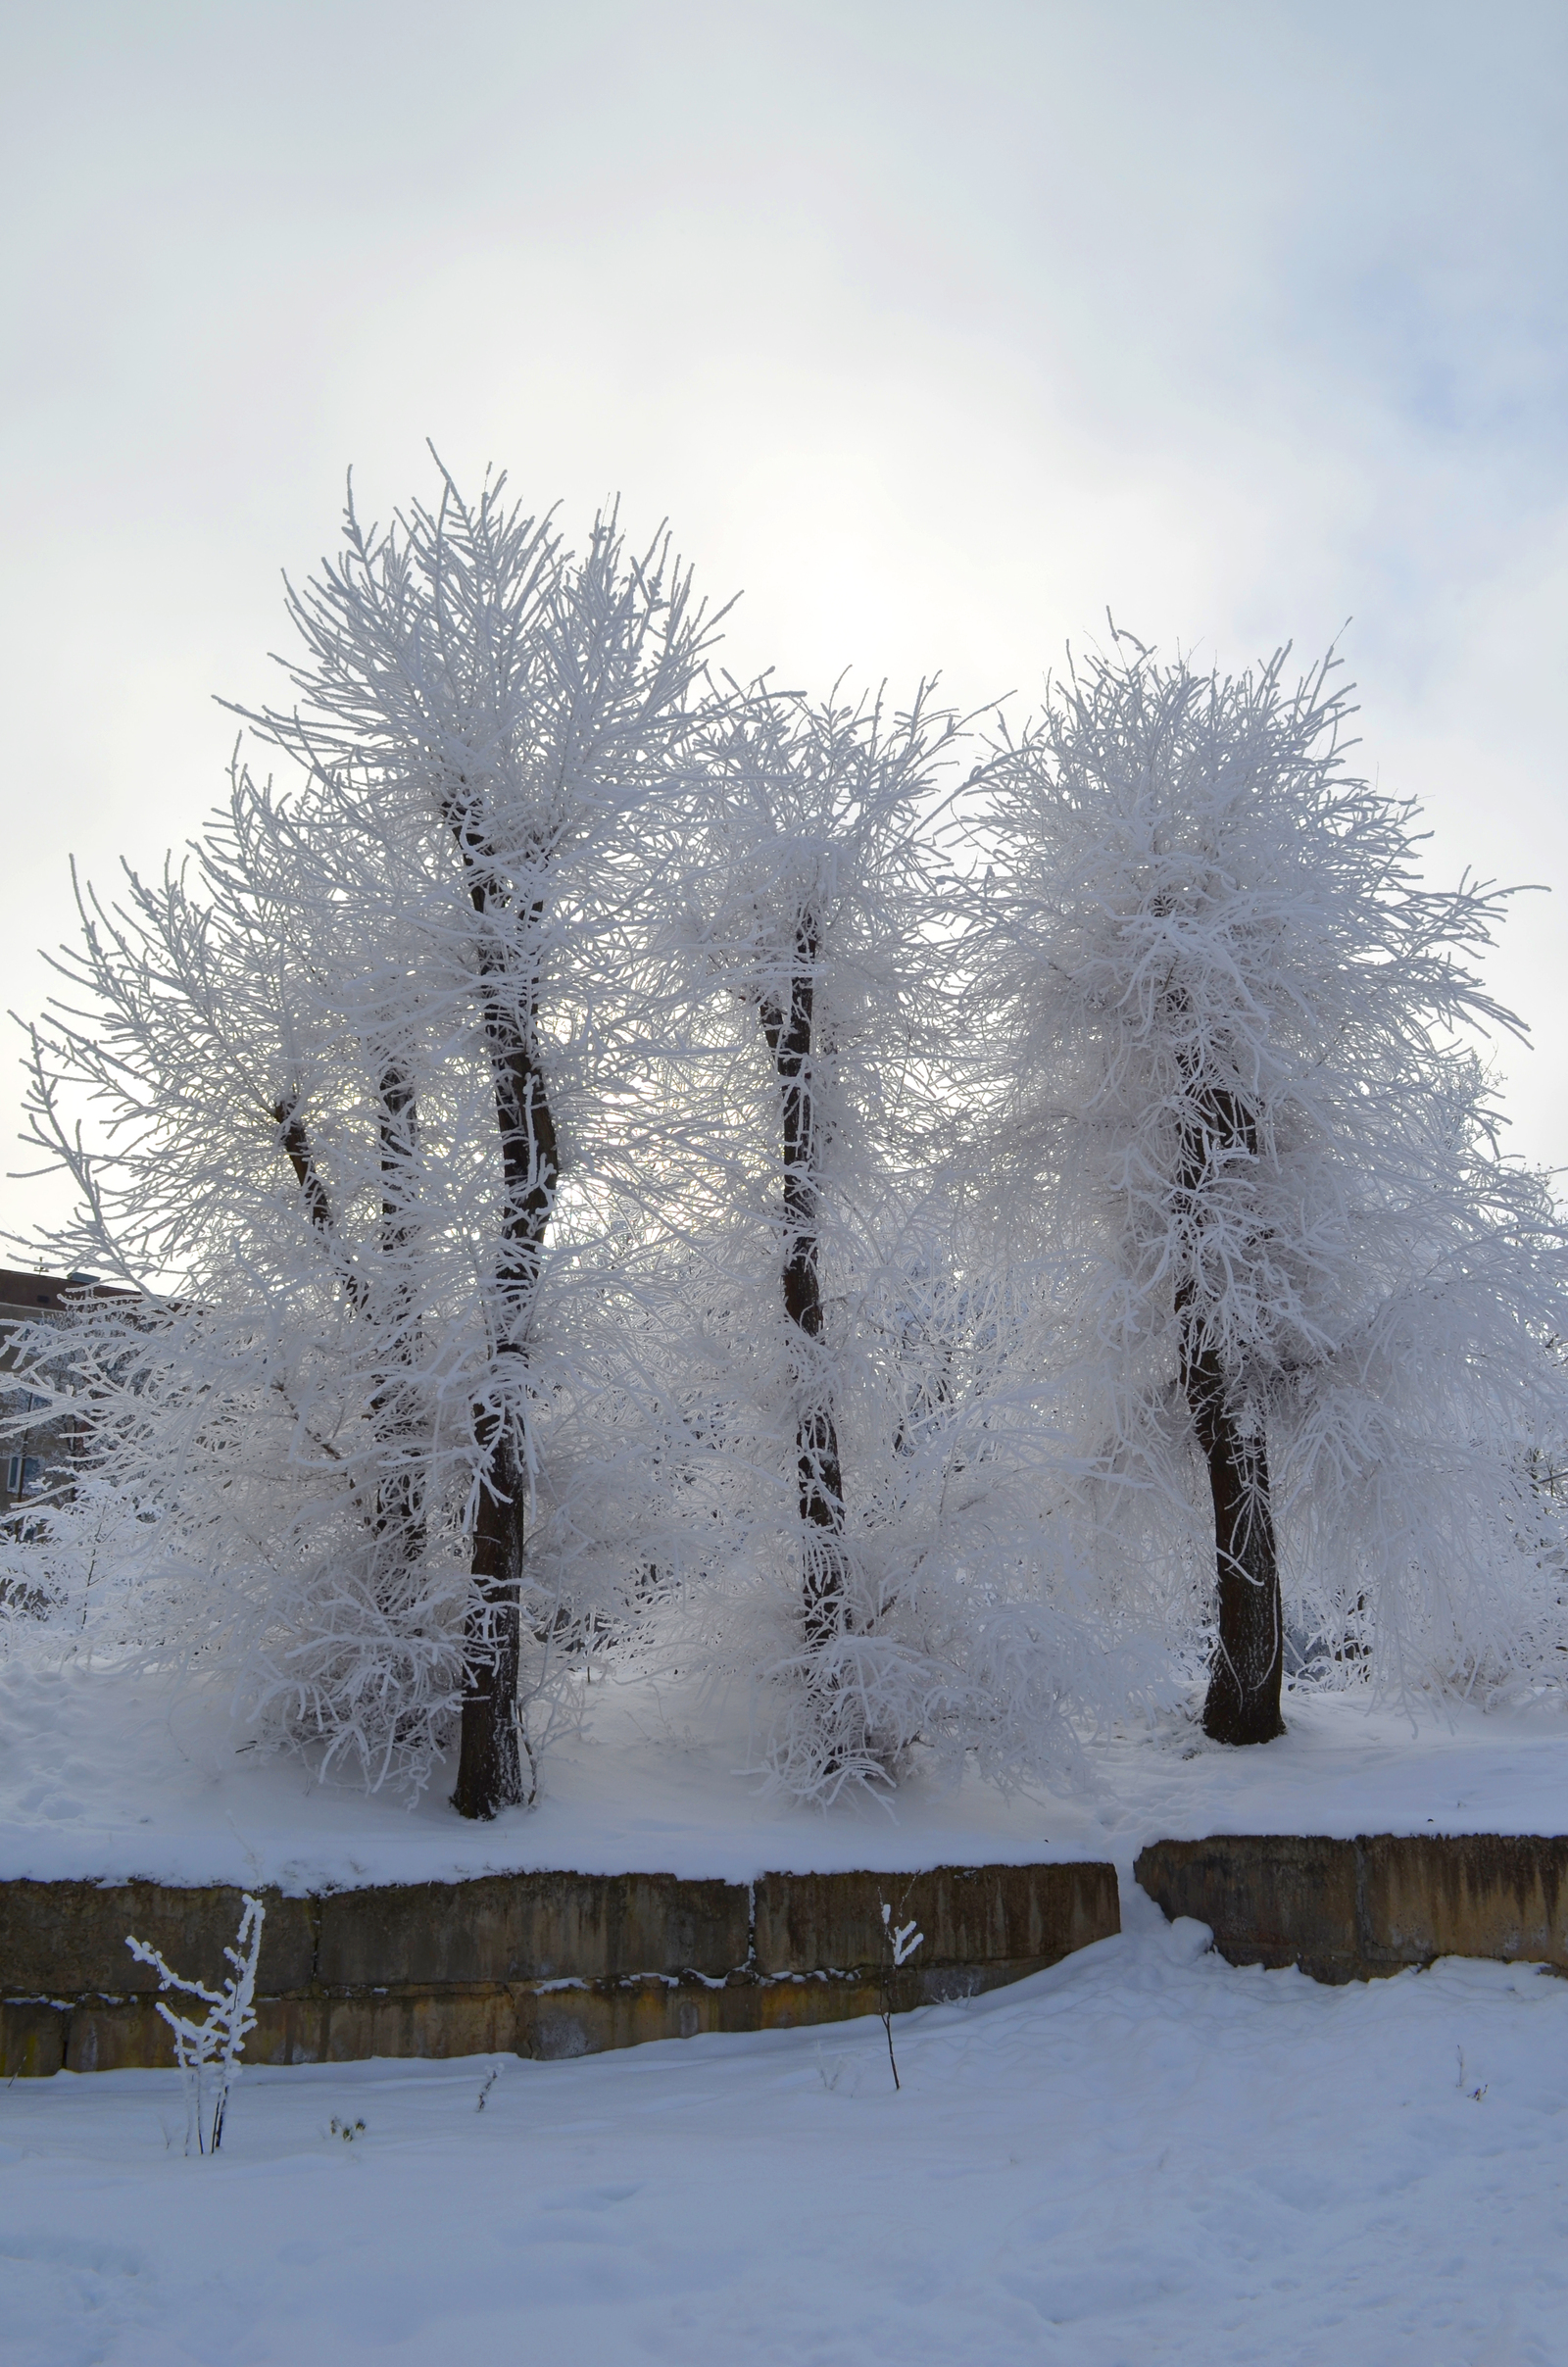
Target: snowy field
{"points": [[106, 1775], [1139, 2158]]}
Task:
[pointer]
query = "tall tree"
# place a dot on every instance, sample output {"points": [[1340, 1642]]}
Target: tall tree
{"points": [[529, 711], [814, 882], [813, 886], [343, 1051], [1239, 1111]]}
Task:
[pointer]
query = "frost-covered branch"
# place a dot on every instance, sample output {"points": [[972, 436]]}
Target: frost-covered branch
{"points": [[215, 2044]]}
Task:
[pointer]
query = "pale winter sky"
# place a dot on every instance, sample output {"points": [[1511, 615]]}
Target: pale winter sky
{"points": [[934, 329]]}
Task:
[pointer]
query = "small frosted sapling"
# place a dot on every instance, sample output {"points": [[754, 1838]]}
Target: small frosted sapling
{"points": [[899, 1943], [218, 2043]]}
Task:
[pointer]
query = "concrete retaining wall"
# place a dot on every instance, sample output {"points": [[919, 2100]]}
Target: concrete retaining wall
{"points": [[565, 1964], [1353, 1910], [538, 1964]]}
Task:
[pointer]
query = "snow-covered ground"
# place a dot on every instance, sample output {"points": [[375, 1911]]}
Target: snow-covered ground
{"points": [[105, 1774], [1139, 2156], [1142, 2155]]}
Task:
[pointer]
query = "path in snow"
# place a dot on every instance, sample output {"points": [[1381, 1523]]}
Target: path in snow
{"points": [[1139, 2156]]}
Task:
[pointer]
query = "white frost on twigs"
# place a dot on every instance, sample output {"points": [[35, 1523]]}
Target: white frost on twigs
{"points": [[215, 2045], [902, 1938]]}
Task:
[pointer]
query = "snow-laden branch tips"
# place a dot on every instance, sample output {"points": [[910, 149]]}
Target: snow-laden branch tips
{"points": [[215, 2044], [899, 1943]]}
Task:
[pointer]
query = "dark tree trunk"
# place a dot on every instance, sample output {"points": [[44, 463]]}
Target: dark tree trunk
{"points": [[1243, 1704], [820, 1474], [490, 1757], [400, 1497]]}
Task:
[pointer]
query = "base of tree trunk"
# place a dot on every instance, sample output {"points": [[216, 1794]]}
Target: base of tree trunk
{"points": [[489, 1762], [489, 1759], [1248, 1671], [1231, 1715], [1246, 1674]]}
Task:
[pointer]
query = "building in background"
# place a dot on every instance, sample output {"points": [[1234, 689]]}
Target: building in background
{"points": [[38, 1455]]}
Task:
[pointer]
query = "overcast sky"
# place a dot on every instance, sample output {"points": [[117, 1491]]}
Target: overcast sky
{"points": [[934, 329]]}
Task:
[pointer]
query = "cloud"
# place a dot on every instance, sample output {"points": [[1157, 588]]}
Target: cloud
{"points": [[934, 329]]}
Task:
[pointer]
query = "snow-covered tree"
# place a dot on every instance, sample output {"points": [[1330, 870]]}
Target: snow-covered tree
{"points": [[813, 887], [1239, 1112], [875, 1552], [589, 1178], [374, 1069]]}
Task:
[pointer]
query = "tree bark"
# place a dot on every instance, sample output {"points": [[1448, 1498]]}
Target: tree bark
{"points": [[819, 1472], [490, 1757], [295, 1139], [1243, 1703], [1246, 1672], [400, 1521]]}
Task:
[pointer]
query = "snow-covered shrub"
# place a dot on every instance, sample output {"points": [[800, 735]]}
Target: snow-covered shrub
{"points": [[1304, 1312]]}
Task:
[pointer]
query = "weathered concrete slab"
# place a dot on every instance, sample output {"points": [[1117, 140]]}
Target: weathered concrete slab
{"points": [[63, 1939], [1351, 1910], [551, 1965], [1270, 1898], [532, 1927], [32, 2039], [1464, 1895], [971, 1915]]}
